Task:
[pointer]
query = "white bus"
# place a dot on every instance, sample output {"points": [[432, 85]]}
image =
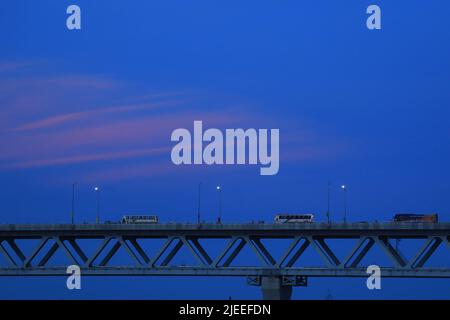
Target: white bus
{"points": [[294, 218], [139, 219]]}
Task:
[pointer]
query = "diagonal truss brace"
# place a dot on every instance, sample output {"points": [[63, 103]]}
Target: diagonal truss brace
{"points": [[16, 258]]}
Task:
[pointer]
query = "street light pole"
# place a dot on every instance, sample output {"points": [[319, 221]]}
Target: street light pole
{"points": [[97, 190], [344, 188], [219, 189]]}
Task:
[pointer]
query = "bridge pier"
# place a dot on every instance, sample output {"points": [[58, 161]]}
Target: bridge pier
{"points": [[274, 289]]}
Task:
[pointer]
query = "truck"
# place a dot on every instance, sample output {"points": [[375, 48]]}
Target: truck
{"points": [[411, 217]]}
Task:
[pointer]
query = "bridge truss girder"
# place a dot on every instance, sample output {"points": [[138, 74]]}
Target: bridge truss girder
{"points": [[98, 264]]}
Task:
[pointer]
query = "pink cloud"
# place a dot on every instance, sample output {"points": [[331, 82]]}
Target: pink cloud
{"points": [[52, 121], [49, 121], [83, 144], [81, 81], [7, 66], [90, 158], [29, 99]]}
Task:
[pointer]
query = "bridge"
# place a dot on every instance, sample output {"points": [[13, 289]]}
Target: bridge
{"points": [[276, 275]]}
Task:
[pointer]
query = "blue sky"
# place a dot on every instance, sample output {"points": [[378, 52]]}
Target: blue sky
{"points": [[368, 109]]}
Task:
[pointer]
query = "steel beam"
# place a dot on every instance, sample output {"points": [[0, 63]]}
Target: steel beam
{"points": [[303, 236], [231, 271]]}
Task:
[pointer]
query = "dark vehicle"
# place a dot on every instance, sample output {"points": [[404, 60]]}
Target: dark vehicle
{"points": [[409, 217], [139, 219], [293, 218]]}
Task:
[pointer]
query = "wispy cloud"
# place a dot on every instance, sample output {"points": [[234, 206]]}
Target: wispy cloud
{"points": [[7, 66], [52, 121], [81, 81], [72, 121], [90, 158]]}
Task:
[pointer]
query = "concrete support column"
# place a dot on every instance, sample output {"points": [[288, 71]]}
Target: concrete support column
{"points": [[272, 289]]}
